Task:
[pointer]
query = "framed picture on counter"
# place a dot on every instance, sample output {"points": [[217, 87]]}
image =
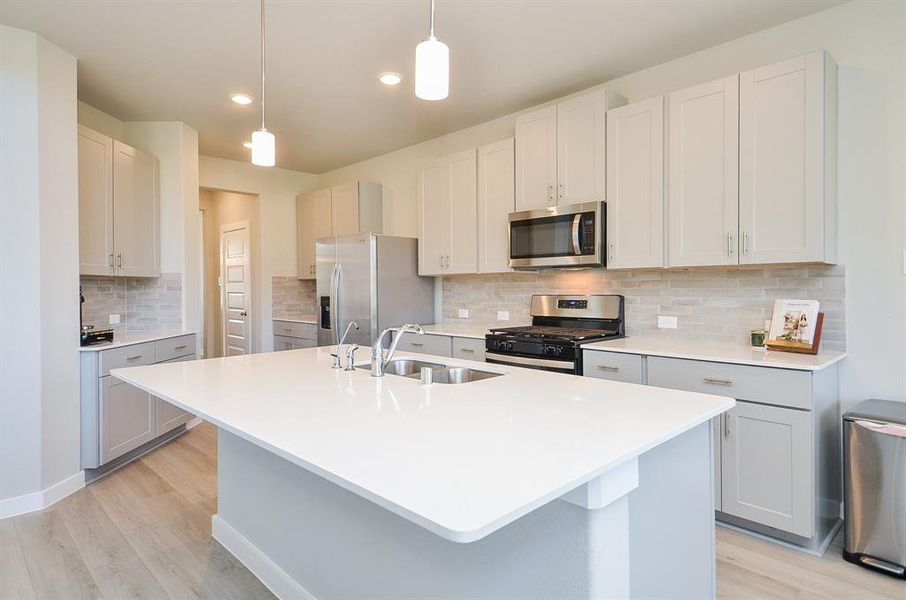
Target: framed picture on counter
{"points": [[795, 326]]}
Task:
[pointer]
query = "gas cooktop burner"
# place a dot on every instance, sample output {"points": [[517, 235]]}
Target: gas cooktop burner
{"points": [[554, 333]]}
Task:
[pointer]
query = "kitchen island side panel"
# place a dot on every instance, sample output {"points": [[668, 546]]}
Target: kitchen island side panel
{"points": [[334, 544]]}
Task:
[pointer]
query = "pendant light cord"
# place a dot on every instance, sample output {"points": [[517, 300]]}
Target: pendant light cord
{"points": [[262, 64], [431, 27]]}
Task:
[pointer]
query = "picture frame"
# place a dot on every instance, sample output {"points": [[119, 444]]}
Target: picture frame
{"points": [[795, 327]]}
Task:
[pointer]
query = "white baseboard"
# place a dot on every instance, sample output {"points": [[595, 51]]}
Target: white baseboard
{"points": [[19, 505], [271, 575], [193, 422]]}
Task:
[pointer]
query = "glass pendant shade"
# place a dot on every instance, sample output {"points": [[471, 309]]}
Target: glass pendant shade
{"points": [[432, 69], [263, 148]]}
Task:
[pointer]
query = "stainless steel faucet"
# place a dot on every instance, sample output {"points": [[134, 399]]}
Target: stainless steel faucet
{"points": [[337, 358], [378, 361]]}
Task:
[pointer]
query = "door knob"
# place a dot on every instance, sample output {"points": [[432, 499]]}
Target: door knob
{"points": [[243, 314]]}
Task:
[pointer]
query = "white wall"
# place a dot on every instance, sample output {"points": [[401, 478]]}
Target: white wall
{"points": [[868, 42], [276, 190], [39, 371]]}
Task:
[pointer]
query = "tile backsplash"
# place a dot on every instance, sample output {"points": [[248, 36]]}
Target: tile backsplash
{"points": [[292, 298], [710, 304], [144, 304]]}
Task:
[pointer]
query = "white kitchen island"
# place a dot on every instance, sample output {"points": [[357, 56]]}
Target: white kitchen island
{"points": [[336, 485]]}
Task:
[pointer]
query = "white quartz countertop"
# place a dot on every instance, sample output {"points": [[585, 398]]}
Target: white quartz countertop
{"points": [[133, 337], [718, 352], [460, 460], [307, 319]]}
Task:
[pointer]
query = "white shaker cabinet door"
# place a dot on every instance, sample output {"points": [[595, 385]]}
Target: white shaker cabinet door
{"points": [[434, 216], [635, 185], [496, 200], [305, 235], [782, 191], [766, 466], [703, 182], [128, 418], [580, 148], [463, 215], [136, 209], [536, 159], [96, 254], [345, 208]]}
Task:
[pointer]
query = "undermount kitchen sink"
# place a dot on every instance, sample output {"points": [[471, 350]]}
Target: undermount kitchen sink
{"points": [[406, 367]]}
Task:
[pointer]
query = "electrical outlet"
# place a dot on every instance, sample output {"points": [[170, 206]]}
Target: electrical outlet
{"points": [[666, 322], [114, 319], [463, 313], [503, 315]]}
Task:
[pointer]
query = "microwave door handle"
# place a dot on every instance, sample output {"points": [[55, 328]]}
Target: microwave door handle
{"points": [[577, 247]]}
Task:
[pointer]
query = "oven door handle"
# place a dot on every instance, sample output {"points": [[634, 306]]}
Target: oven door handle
{"points": [[577, 246], [523, 361]]}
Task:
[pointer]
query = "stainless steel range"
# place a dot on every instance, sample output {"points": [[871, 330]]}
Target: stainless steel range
{"points": [[560, 324]]}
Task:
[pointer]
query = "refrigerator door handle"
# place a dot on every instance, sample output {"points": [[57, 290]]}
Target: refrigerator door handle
{"points": [[334, 301], [884, 428]]}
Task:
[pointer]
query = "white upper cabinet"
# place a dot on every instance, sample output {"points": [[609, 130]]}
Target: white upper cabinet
{"points": [[536, 159], [96, 255], [447, 197], [635, 185], [580, 148], [496, 200], [703, 182], [560, 151], [136, 211], [340, 210], [787, 141], [119, 208]]}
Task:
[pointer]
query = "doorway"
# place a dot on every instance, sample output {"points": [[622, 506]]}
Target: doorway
{"points": [[231, 259]]}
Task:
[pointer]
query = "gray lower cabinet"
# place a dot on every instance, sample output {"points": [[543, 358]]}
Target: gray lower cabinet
{"points": [[436, 345], [468, 348], [117, 418], [128, 418], [293, 335], [776, 453]]}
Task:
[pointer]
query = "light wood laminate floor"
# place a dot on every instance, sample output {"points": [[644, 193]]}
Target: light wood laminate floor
{"points": [[144, 532]]}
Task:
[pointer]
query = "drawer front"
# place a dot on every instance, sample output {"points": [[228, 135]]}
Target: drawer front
{"points": [[612, 365], [308, 331], [468, 348], [779, 387], [438, 345], [282, 342], [127, 356], [177, 347]]}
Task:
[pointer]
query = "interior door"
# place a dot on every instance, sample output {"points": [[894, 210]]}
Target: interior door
{"points": [[781, 186], [235, 275], [635, 185], [536, 159], [766, 473], [434, 217], [703, 182], [462, 257], [95, 203], [496, 200], [136, 212], [580, 148]]}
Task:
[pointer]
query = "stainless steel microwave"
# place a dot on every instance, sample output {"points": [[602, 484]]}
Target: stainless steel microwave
{"points": [[560, 236]]}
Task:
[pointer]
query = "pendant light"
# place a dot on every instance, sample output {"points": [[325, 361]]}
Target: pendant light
{"points": [[263, 142], [432, 66]]}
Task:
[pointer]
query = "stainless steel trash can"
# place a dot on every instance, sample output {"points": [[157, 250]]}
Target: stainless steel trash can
{"points": [[874, 478]]}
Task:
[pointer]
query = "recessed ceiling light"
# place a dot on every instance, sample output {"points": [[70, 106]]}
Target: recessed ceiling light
{"points": [[241, 99], [390, 78], [247, 144]]}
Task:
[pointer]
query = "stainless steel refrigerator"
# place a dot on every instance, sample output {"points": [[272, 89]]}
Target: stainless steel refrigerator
{"points": [[372, 280]]}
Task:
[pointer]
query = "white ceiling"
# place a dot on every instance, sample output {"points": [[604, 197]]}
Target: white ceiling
{"points": [[180, 60]]}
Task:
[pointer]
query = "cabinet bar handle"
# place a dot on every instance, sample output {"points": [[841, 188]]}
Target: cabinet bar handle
{"points": [[441, 261], [183, 347], [729, 244], [726, 417], [717, 380], [550, 194], [745, 242], [110, 258], [417, 344], [610, 368], [469, 350], [136, 357]]}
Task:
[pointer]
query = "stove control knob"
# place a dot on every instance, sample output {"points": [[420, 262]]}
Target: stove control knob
{"points": [[510, 346]]}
